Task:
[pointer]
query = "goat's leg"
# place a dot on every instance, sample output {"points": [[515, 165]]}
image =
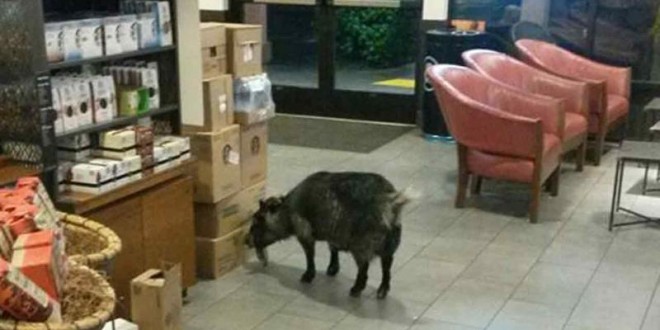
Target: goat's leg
{"points": [[386, 264], [363, 271], [333, 267], [310, 273]]}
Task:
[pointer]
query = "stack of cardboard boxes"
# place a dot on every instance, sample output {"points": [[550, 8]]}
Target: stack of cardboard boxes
{"points": [[231, 153]]}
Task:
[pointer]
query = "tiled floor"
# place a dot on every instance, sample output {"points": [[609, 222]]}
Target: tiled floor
{"points": [[482, 267]]}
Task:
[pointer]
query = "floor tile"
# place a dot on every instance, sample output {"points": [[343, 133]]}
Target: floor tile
{"points": [[554, 285], [423, 280], [390, 313], [287, 322], [470, 302], [518, 315], [429, 324]]}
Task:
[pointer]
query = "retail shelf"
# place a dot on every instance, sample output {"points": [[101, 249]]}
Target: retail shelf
{"points": [[79, 203], [119, 121], [111, 58]]}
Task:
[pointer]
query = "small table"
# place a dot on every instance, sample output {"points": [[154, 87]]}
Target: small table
{"points": [[647, 153]]}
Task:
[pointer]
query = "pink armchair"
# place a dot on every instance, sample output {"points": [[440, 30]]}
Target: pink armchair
{"points": [[501, 133], [609, 86], [521, 76]]}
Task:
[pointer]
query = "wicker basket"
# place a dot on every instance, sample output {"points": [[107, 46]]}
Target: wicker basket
{"points": [[103, 304], [90, 243]]}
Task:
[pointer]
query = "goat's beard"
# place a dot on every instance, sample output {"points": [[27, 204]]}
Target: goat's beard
{"points": [[262, 255]]}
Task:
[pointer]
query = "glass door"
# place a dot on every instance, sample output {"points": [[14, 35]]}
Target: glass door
{"points": [[340, 59]]}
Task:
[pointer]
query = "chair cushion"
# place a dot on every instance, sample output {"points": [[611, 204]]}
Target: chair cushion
{"points": [[515, 169], [574, 125], [617, 107]]}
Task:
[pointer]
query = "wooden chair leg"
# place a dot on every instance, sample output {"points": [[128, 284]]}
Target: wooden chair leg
{"points": [[600, 146], [535, 202], [581, 156], [475, 185], [461, 191], [554, 182]]}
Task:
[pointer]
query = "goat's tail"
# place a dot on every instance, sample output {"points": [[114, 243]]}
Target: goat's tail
{"points": [[398, 200]]}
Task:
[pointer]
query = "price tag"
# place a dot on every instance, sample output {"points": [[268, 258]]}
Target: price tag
{"points": [[248, 53]]}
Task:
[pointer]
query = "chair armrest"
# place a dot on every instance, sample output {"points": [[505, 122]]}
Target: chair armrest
{"points": [[549, 110], [575, 94], [617, 79]]}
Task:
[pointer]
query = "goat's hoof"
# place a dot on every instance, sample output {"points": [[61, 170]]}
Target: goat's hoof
{"points": [[382, 292], [308, 277], [356, 292], [332, 270]]}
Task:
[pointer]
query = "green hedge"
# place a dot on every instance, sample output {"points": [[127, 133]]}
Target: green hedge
{"points": [[381, 37]]}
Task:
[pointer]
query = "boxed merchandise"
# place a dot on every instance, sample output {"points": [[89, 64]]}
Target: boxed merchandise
{"points": [[162, 159], [39, 265], [103, 99], [218, 256], [71, 41], [69, 105], [91, 178], [156, 302], [117, 144], [244, 49], [165, 29], [218, 105], [128, 34], [110, 82], [22, 299], [214, 49], [149, 80], [254, 154], [85, 103], [63, 170], [144, 136], [177, 147], [213, 220], [253, 100], [33, 240], [54, 42], [148, 25], [120, 324], [119, 170], [34, 184], [133, 166], [250, 198], [75, 148], [218, 173], [57, 108], [112, 35], [90, 37], [129, 101], [6, 238]]}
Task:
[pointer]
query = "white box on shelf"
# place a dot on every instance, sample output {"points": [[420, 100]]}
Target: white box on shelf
{"points": [[110, 82], [117, 139], [85, 102], [70, 36], [103, 103], [57, 107], [149, 80], [54, 36], [111, 31], [75, 142], [134, 167], [119, 170], [129, 32], [148, 24], [90, 178], [69, 105], [165, 29], [91, 37]]}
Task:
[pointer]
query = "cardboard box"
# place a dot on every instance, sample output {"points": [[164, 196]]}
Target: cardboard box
{"points": [[254, 154], [218, 172], [250, 198], [91, 178], [85, 102], [214, 49], [156, 302], [128, 34], [69, 104], [218, 105], [76, 148], [70, 38], [244, 54], [22, 299], [39, 264], [148, 24], [216, 257], [219, 219]]}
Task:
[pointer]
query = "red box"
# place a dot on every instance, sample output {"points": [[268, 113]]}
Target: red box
{"points": [[40, 265], [24, 300], [37, 239]]}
